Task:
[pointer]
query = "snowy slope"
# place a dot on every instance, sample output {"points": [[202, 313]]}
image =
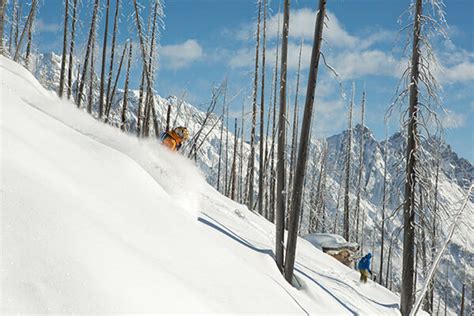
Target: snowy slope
{"points": [[456, 173], [95, 221]]}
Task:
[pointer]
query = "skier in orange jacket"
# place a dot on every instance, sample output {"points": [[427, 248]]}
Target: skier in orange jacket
{"points": [[174, 139]]}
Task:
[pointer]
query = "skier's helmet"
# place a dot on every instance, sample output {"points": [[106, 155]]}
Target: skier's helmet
{"points": [[182, 132]]}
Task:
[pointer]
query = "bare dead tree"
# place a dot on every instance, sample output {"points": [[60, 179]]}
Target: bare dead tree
{"points": [[273, 175], [112, 94], [241, 157], [178, 107], [168, 117], [90, 97], [112, 54], [125, 93], [145, 66], [226, 160], [281, 163], [17, 13], [409, 204], [2, 25], [261, 177], [63, 58], [149, 100], [140, 104], [319, 195], [28, 24], [29, 43], [461, 313], [71, 49], [195, 140], [88, 52], [360, 234], [294, 132], [251, 167], [12, 25], [384, 204], [220, 149], [452, 228], [348, 170], [233, 172], [104, 55], [304, 145]]}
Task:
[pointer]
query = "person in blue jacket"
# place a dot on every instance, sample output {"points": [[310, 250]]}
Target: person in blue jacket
{"points": [[364, 267]]}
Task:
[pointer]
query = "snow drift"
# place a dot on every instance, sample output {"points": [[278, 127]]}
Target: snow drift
{"points": [[96, 221]]}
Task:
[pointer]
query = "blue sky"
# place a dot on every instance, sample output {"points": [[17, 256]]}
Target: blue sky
{"points": [[205, 41]]}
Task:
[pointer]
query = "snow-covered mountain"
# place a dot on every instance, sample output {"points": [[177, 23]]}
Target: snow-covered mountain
{"points": [[455, 174], [95, 221]]}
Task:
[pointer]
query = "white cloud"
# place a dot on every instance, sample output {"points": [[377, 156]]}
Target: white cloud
{"points": [[461, 72], [353, 64], [452, 119], [302, 23], [181, 55], [42, 26]]}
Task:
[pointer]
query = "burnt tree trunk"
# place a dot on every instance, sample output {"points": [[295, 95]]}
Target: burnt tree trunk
{"points": [[63, 59], [2, 25], [71, 50], [88, 52], [360, 234], [407, 295], [125, 93], [281, 164], [112, 94], [348, 171], [303, 145], [30, 38], [261, 176], [104, 55], [251, 168], [29, 22], [112, 54], [91, 77], [234, 161]]}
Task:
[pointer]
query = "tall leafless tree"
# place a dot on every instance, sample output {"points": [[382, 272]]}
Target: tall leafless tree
{"points": [[71, 49], [304, 145], [29, 43], [360, 234], [104, 55], [251, 166], [12, 26], [241, 157], [281, 164], [64, 54], [2, 25], [273, 175], [88, 53], [409, 203], [261, 177], [90, 97], [28, 24], [348, 169], [125, 93], [220, 149], [112, 53], [384, 204], [117, 77], [233, 173]]}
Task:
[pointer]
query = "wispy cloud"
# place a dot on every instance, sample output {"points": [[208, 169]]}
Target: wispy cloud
{"points": [[452, 119], [181, 55], [45, 27]]}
